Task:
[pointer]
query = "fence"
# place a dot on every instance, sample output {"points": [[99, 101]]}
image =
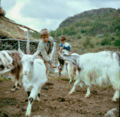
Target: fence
{"points": [[28, 46], [12, 44]]}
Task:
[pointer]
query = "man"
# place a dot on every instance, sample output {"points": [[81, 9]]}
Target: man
{"points": [[45, 47], [63, 46]]}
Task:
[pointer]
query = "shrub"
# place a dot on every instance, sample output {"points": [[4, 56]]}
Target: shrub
{"points": [[97, 43], [79, 36], [112, 38], [117, 43], [71, 32], [83, 31], [117, 33], [106, 42], [91, 45], [52, 33], [86, 42]]}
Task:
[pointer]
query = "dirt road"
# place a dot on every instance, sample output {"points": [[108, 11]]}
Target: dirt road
{"points": [[55, 101]]}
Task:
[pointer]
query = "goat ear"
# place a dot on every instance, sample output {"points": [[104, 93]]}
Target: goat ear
{"points": [[36, 54], [20, 52]]}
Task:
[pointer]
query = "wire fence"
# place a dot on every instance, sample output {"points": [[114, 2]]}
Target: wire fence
{"points": [[12, 44]]}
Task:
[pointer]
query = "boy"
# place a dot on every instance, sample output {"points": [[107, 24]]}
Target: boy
{"points": [[63, 46], [45, 47]]}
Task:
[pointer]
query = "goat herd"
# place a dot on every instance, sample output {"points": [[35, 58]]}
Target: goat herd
{"points": [[87, 69]]}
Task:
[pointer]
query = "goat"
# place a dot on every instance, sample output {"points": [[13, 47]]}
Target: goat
{"points": [[10, 66], [34, 77], [67, 67], [97, 69]]}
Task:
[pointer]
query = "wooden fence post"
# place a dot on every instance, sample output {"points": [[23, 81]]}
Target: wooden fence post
{"points": [[28, 42]]}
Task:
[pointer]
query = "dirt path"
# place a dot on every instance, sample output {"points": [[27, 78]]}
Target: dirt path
{"points": [[55, 101]]}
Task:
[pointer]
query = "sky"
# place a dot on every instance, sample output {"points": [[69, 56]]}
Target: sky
{"points": [[39, 14]]}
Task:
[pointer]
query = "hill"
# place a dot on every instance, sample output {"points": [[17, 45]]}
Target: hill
{"points": [[92, 30]]}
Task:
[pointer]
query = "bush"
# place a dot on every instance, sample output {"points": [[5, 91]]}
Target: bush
{"points": [[52, 33], [97, 28], [106, 42], [117, 43], [97, 43], [117, 33], [79, 36], [83, 31], [86, 42], [71, 32], [58, 33], [112, 38], [91, 45]]}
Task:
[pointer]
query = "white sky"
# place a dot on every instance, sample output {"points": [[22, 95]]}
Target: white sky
{"points": [[49, 14]]}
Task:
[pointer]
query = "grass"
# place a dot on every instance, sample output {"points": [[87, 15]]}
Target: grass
{"points": [[3, 79], [64, 79]]}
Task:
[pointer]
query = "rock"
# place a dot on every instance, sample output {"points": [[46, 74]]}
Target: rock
{"points": [[23, 109], [60, 99], [112, 113], [35, 108], [45, 87], [49, 83], [5, 115]]}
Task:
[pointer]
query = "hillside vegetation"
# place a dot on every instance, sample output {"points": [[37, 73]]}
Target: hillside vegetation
{"points": [[92, 30]]}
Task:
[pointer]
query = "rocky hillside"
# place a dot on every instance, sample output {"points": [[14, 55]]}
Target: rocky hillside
{"points": [[93, 30]]}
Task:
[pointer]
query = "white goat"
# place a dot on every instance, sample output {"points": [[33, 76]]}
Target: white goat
{"points": [[97, 69], [68, 68], [34, 77]]}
